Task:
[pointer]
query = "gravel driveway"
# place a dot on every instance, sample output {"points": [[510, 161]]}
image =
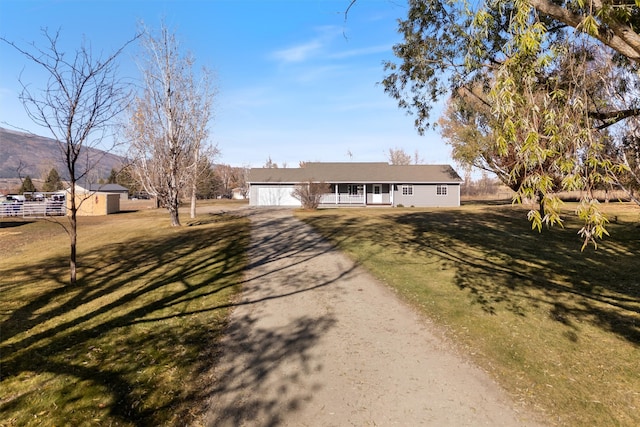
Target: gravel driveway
{"points": [[317, 341]]}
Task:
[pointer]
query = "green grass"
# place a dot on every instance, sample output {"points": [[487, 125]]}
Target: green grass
{"points": [[134, 341], [559, 328]]}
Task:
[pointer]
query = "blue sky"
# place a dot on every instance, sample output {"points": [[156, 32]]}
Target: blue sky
{"points": [[296, 81]]}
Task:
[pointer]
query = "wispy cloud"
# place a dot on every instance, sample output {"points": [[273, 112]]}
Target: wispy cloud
{"points": [[298, 53], [325, 34], [385, 48]]}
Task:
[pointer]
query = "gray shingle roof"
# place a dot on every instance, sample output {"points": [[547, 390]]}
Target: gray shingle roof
{"points": [[379, 172], [103, 188]]}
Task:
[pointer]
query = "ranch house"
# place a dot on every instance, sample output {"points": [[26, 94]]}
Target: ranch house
{"points": [[359, 184]]}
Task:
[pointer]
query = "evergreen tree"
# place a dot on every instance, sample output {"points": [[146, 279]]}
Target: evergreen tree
{"points": [[53, 182], [113, 177], [27, 186]]}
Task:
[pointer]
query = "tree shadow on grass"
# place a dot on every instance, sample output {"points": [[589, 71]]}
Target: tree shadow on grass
{"points": [[503, 264], [500, 261], [145, 308], [141, 309], [13, 223]]}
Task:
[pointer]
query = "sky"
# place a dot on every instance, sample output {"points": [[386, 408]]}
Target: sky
{"points": [[296, 80]]}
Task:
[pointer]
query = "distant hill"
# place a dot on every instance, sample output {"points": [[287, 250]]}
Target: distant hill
{"points": [[36, 155]]}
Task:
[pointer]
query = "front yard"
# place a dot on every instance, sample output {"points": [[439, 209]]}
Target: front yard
{"points": [[559, 328], [133, 343]]}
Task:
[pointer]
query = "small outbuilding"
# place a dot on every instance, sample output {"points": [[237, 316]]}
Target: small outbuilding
{"points": [[99, 199], [106, 188], [359, 184]]}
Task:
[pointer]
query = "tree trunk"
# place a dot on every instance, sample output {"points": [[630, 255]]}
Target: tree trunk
{"points": [[173, 206], [73, 234], [72, 258], [193, 200], [175, 219]]}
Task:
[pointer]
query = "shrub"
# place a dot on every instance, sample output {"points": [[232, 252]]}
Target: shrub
{"points": [[310, 193]]}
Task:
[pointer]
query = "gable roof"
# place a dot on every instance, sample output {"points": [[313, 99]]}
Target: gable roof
{"points": [[379, 172]]}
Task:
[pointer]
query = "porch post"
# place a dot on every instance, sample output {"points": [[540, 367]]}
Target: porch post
{"points": [[365, 194], [337, 193], [391, 194]]}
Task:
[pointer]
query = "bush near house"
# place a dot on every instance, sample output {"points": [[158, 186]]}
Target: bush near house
{"points": [[310, 193]]}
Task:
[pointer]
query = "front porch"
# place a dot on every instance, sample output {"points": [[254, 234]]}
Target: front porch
{"points": [[358, 195]]}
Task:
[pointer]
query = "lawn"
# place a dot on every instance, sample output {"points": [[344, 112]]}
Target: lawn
{"points": [[557, 327], [134, 341]]}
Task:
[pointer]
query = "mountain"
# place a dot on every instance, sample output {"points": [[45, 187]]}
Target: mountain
{"points": [[23, 154]]}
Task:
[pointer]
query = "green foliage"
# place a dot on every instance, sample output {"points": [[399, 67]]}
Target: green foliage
{"points": [[53, 181], [113, 177], [27, 186], [549, 89], [126, 178]]}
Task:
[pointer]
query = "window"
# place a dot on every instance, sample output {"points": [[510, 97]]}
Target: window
{"points": [[407, 190], [355, 189], [441, 190]]}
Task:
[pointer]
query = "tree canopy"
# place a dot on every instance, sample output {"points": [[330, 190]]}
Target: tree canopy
{"points": [[53, 181], [169, 120], [79, 101], [27, 186], [543, 86]]}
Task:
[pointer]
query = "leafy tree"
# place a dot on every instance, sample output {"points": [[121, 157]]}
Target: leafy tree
{"points": [[27, 186], [52, 182], [468, 125], [539, 65], [310, 193], [168, 121], [77, 105]]}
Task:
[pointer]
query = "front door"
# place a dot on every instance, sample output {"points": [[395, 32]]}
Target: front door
{"points": [[377, 194]]}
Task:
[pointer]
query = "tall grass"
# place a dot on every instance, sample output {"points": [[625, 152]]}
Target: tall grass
{"points": [[559, 328], [132, 343]]}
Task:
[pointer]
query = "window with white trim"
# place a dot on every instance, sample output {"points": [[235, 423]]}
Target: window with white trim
{"points": [[355, 189], [441, 190], [407, 190]]}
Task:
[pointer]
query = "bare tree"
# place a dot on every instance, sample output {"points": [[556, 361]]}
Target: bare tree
{"points": [[81, 98], [270, 164], [226, 177], [310, 193], [169, 121], [201, 92], [397, 156], [243, 180]]}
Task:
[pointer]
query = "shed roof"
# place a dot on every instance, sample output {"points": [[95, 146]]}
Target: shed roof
{"points": [[102, 188], [379, 172]]}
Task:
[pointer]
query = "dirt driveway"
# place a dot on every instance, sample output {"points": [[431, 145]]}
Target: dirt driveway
{"points": [[317, 341]]}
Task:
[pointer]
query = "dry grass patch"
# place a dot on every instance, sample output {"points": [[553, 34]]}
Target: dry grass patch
{"points": [[559, 328], [133, 342]]}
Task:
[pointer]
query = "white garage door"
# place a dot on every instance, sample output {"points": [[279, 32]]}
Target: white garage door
{"points": [[277, 196]]}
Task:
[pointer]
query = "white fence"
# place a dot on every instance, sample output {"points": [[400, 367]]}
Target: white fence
{"points": [[33, 209], [342, 199]]}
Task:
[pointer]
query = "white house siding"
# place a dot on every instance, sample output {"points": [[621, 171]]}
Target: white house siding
{"points": [[424, 195], [273, 195]]}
